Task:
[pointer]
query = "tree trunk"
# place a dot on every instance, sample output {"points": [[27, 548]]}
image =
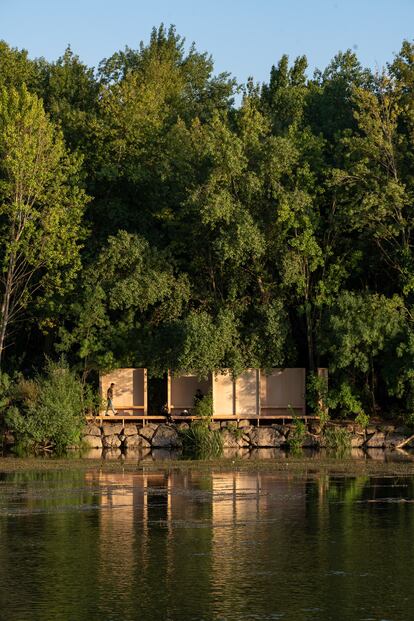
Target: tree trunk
{"points": [[5, 307], [309, 337]]}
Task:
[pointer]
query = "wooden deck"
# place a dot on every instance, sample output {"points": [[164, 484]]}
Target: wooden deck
{"points": [[148, 418]]}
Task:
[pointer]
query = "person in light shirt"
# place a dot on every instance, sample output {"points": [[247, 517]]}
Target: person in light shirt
{"points": [[109, 397]]}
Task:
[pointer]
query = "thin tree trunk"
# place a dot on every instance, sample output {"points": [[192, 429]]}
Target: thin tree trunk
{"points": [[5, 307], [309, 337]]}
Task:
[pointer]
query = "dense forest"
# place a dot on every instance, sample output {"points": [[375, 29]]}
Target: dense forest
{"points": [[156, 214]]}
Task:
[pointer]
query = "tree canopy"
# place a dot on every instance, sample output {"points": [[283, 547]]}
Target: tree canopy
{"points": [[148, 219]]}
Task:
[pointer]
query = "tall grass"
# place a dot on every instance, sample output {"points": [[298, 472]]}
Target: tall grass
{"points": [[337, 439], [201, 442]]}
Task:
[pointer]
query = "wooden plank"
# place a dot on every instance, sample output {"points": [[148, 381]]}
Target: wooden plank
{"points": [[169, 392], [145, 391], [178, 417]]}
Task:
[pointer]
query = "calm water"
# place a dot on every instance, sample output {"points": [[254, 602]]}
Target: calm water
{"points": [[203, 547]]}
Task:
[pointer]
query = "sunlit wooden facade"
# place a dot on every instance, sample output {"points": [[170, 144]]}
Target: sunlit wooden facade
{"points": [[254, 393]]}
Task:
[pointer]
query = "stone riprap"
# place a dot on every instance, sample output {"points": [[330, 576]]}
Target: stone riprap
{"points": [[244, 435]]}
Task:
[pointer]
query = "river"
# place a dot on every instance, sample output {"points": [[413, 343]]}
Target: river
{"points": [[208, 545]]}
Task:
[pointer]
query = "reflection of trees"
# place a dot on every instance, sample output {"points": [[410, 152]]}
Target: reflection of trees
{"points": [[208, 546], [49, 551]]}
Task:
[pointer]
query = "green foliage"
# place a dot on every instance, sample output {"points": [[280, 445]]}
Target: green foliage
{"points": [[317, 396], [362, 419], [41, 208], [274, 233], [201, 442], [236, 432], [337, 439], [49, 410], [204, 407], [296, 435]]}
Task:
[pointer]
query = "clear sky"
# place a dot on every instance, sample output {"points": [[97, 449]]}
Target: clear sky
{"points": [[244, 37]]}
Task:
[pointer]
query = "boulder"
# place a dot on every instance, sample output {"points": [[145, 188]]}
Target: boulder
{"points": [[266, 437], [393, 439], [283, 429], [130, 430], [111, 429], [92, 429], [359, 429], [243, 424], [230, 441], [165, 437], [375, 440], [357, 440], [386, 428], [92, 441], [148, 431], [136, 442], [315, 428], [111, 441], [183, 426]]}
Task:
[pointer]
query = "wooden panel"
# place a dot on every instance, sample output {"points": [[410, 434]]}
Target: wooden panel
{"points": [[129, 389], [184, 388], [145, 379], [223, 395], [282, 388], [247, 392]]}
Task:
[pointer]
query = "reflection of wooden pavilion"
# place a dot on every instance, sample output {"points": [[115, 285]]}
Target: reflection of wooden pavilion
{"points": [[276, 394]]}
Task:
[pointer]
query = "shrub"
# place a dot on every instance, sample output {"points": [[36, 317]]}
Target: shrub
{"points": [[337, 439], [408, 419], [297, 435], [204, 407], [362, 419], [202, 442], [49, 410], [317, 396]]}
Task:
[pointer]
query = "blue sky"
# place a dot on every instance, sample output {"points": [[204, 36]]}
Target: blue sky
{"points": [[244, 37]]}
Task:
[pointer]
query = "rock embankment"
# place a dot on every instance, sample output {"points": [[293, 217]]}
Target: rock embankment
{"points": [[116, 435]]}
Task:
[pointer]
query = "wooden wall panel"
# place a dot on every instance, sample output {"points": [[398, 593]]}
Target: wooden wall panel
{"points": [[130, 387], [223, 394], [183, 390], [247, 393], [282, 389]]}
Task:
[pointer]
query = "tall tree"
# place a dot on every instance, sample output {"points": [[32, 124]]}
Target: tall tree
{"points": [[41, 207]]}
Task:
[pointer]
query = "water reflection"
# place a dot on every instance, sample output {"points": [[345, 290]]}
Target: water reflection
{"points": [[209, 546], [139, 455]]}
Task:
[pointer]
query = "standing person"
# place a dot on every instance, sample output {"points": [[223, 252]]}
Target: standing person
{"points": [[109, 397]]}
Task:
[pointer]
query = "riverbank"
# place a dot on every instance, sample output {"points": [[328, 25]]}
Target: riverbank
{"points": [[395, 463]]}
